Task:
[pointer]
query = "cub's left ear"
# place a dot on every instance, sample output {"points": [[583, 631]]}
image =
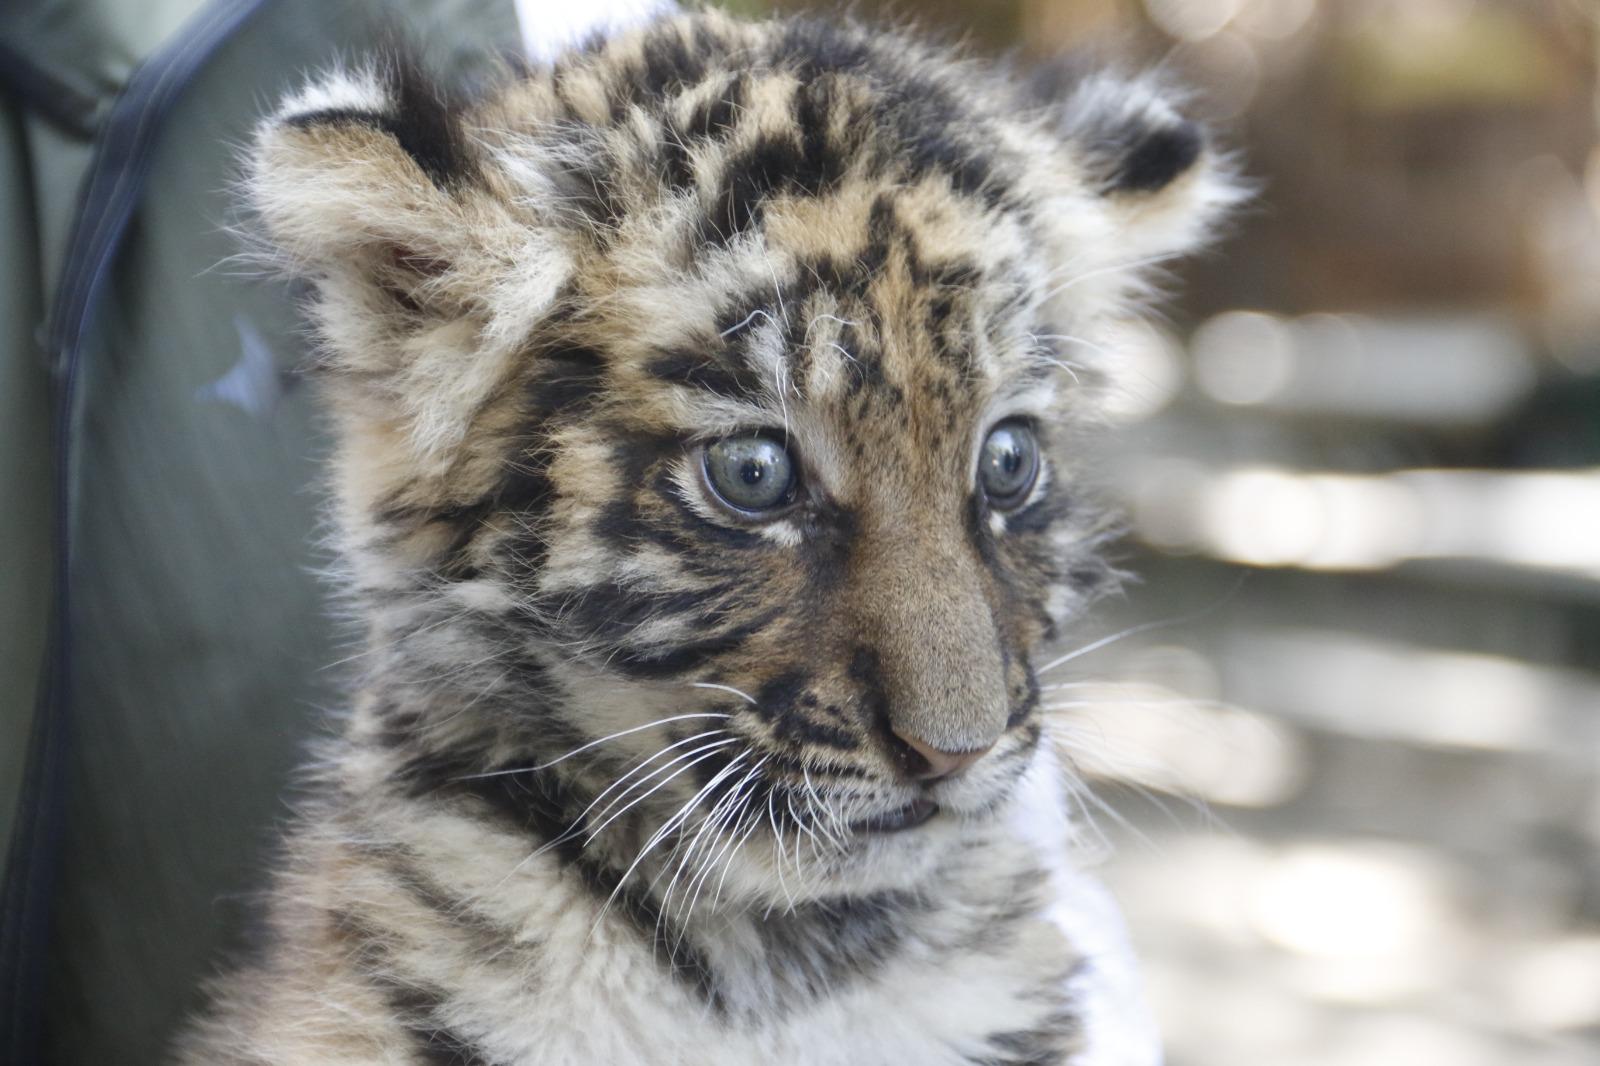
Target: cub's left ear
{"points": [[1160, 185]]}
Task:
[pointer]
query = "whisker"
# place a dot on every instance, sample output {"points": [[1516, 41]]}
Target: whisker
{"points": [[727, 866], [711, 819], [745, 322], [751, 700], [595, 743], [708, 749], [666, 827], [1093, 646], [830, 816], [576, 827], [1145, 627], [1113, 268], [578, 822], [777, 849], [709, 865], [1180, 701]]}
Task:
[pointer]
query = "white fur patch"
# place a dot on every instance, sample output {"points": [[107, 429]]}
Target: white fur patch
{"points": [[1118, 1024], [339, 89]]}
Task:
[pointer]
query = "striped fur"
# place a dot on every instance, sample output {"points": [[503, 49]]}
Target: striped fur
{"points": [[601, 795]]}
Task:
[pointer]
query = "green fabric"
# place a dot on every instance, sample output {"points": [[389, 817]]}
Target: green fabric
{"points": [[203, 647]]}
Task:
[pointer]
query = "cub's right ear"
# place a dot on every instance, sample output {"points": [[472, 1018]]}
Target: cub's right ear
{"points": [[369, 163], [428, 269]]}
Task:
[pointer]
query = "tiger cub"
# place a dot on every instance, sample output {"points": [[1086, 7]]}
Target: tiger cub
{"points": [[704, 404]]}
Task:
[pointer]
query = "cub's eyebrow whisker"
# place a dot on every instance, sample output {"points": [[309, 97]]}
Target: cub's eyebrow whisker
{"points": [[745, 322], [842, 350], [1061, 365], [594, 743], [827, 318]]}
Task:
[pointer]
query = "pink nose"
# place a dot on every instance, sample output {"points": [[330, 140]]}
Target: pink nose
{"points": [[924, 762]]}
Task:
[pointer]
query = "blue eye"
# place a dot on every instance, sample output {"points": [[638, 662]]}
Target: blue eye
{"points": [[752, 473], [1008, 465]]}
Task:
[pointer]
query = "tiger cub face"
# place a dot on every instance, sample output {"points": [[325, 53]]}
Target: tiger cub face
{"points": [[705, 408]]}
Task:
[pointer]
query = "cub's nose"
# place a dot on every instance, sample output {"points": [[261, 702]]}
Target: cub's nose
{"points": [[922, 761]]}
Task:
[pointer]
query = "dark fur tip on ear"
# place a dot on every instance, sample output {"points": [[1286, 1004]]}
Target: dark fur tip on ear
{"points": [[1156, 157], [396, 97], [427, 122], [1128, 132]]}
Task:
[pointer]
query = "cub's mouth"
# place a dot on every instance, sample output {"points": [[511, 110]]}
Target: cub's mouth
{"points": [[910, 816]]}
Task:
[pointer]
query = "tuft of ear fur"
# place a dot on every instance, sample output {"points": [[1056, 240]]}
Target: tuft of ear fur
{"points": [[426, 274], [1125, 157], [360, 159], [1156, 169]]}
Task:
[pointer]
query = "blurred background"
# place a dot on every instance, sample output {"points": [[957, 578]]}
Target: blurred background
{"points": [[1344, 731], [1352, 776]]}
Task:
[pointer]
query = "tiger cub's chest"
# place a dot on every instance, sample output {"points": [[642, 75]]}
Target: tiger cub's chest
{"points": [[620, 1006]]}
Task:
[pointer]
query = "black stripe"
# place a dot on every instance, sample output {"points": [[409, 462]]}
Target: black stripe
{"points": [[748, 179], [591, 193], [803, 163], [681, 658], [569, 380], [713, 532], [714, 118], [417, 1007], [673, 162], [918, 120], [1150, 159], [424, 123], [670, 63], [489, 937], [435, 1043], [427, 123], [818, 948], [1051, 1042], [545, 806], [701, 369], [1052, 507], [1025, 698], [614, 612], [339, 116], [866, 670], [780, 702]]}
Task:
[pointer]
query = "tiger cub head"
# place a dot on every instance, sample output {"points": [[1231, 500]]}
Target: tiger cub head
{"points": [[704, 409]]}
